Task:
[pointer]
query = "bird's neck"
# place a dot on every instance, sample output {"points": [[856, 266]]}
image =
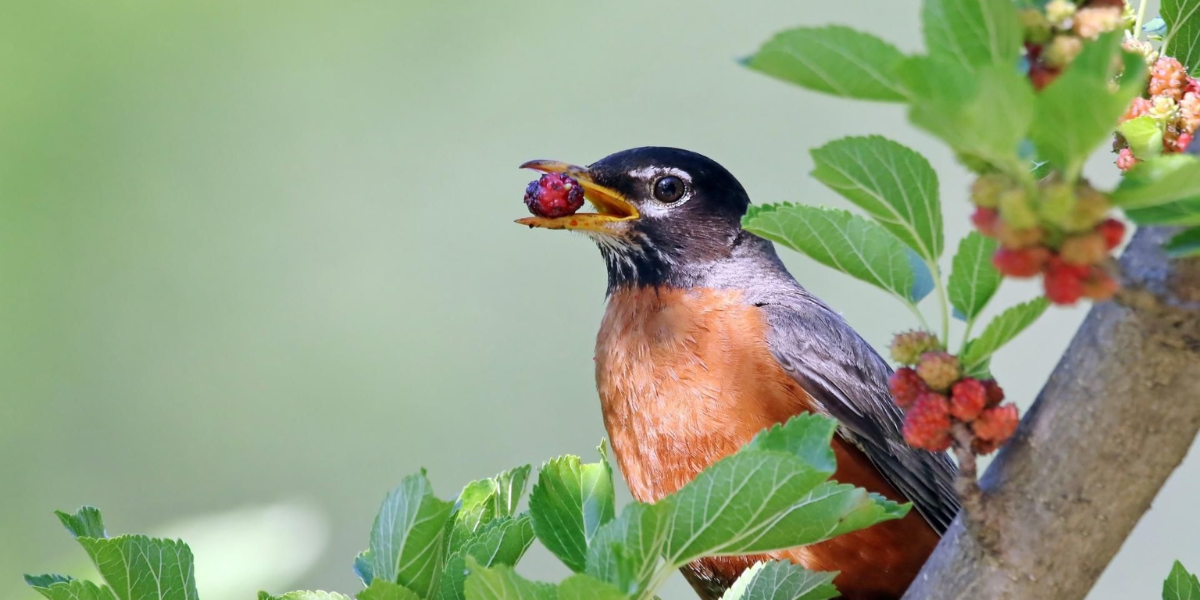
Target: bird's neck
{"points": [[744, 259]]}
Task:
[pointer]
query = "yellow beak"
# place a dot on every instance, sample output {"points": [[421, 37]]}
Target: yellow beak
{"points": [[611, 206]]}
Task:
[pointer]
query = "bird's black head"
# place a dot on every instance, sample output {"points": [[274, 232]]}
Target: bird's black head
{"points": [[661, 213]]}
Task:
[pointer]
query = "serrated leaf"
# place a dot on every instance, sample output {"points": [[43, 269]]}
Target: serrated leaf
{"points": [[1180, 584], [922, 278], [835, 60], [973, 32], [962, 108], [86, 522], [626, 551], [137, 567], [892, 183], [482, 501], [779, 580], [973, 279], [1143, 135], [1184, 213], [838, 239], [502, 542], [1183, 32], [503, 583], [304, 595], [406, 545], [569, 504], [1184, 244], [766, 497], [582, 587], [807, 436], [1159, 181], [72, 589], [386, 590], [1006, 326], [1078, 111]]}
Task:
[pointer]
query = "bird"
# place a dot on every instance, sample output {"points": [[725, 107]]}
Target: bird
{"points": [[707, 339]]}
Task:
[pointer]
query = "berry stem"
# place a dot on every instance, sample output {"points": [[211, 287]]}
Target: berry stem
{"points": [[974, 509]]}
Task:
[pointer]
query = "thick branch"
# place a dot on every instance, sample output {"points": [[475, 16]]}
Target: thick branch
{"points": [[1115, 419]]}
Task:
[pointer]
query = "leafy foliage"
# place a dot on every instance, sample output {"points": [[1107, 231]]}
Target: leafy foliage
{"points": [[975, 33], [974, 280], [772, 494], [1180, 584], [835, 60], [844, 241], [1001, 331], [1183, 31]]}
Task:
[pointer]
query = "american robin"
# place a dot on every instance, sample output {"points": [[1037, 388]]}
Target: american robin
{"points": [[707, 339]]}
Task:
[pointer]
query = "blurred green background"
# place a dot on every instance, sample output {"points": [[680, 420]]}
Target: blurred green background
{"points": [[257, 260]]}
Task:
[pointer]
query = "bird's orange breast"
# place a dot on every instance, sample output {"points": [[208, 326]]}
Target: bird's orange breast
{"points": [[686, 378]]}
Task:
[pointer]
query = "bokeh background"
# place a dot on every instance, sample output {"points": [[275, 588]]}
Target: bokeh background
{"points": [[257, 260]]}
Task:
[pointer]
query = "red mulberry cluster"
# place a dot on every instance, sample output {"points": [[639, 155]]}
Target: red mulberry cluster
{"points": [[1055, 35], [1060, 232], [1172, 104], [935, 395], [553, 195]]}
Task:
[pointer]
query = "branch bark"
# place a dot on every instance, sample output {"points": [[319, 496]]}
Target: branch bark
{"points": [[1116, 417]]}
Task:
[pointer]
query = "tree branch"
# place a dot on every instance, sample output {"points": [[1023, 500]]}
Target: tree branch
{"points": [[1116, 417]]}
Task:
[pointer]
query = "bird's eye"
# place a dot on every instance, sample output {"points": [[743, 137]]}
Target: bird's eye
{"points": [[668, 189]]}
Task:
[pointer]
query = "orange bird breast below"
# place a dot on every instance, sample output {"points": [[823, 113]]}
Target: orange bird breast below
{"points": [[686, 378]]}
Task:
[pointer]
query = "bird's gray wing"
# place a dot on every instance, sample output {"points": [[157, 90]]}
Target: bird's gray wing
{"points": [[848, 381]]}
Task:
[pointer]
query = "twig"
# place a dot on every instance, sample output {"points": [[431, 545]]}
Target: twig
{"points": [[969, 494]]}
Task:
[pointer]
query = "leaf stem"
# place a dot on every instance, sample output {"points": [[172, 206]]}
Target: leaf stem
{"points": [[943, 301], [917, 313], [1140, 20], [966, 336]]}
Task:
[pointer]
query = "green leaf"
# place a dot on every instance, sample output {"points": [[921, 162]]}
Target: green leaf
{"points": [[973, 32], [1184, 212], [503, 583], [962, 108], [627, 550], [973, 279], [838, 239], [1158, 181], [1183, 32], [482, 501], [1180, 584], [137, 567], [835, 60], [767, 497], [806, 436], [406, 544], [583, 587], [1184, 244], [1002, 330], [386, 590], [304, 595], [569, 503], [1078, 112], [779, 580], [86, 522], [66, 588], [1143, 135], [893, 183], [502, 542]]}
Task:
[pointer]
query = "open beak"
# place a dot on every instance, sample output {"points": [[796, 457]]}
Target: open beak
{"points": [[611, 206]]}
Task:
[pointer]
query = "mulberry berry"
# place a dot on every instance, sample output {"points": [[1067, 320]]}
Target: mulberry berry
{"points": [[986, 220], [968, 398], [908, 347], [996, 424], [1168, 78], [995, 393], [1113, 232], [939, 369], [1024, 262], [1063, 284], [906, 386], [1084, 249], [554, 195], [1126, 160], [927, 424]]}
